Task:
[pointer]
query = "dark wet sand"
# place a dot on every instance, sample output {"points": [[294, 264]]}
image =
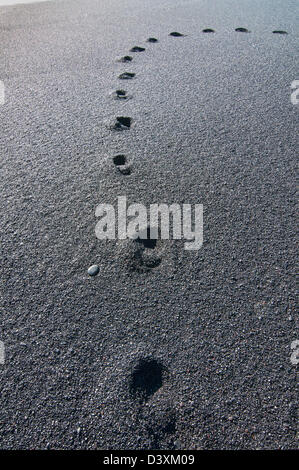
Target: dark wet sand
{"points": [[179, 350]]}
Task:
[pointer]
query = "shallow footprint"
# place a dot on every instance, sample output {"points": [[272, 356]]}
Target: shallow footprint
{"points": [[125, 170], [160, 426], [242, 30], [125, 59], [141, 259], [208, 30], [146, 256], [126, 76], [140, 253], [279, 31], [176, 34], [152, 40], [137, 49], [120, 95]]}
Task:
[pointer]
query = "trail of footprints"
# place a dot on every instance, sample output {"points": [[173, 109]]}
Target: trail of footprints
{"points": [[144, 256], [149, 374]]}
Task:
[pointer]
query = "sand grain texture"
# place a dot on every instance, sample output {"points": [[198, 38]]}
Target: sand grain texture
{"points": [[213, 124]]}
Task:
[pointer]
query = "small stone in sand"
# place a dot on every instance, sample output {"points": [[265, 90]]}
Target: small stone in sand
{"points": [[93, 270]]}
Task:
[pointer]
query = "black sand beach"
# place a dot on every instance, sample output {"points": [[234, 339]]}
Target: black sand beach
{"points": [[192, 351]]}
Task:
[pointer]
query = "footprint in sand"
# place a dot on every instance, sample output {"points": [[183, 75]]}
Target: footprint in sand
{"points": [[161, 425], [146, 239], [120, 161], [147, 378], [152, 40], [126, 76], [242, 30], [125, 170], [279, 31], [175, 34], [144, 251], [125, 59], [120, 95], [137, 49], [208, 30], [122, 123]]}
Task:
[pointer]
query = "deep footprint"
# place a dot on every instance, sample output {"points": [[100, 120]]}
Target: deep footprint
{"points": [[137, 49], [152, 40], [120, 161], [145, 238], [126, 58], [146, 378], [279, 31], [176, 34], [242, 30], [122, 122], [126, 76], [208, 30]]}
